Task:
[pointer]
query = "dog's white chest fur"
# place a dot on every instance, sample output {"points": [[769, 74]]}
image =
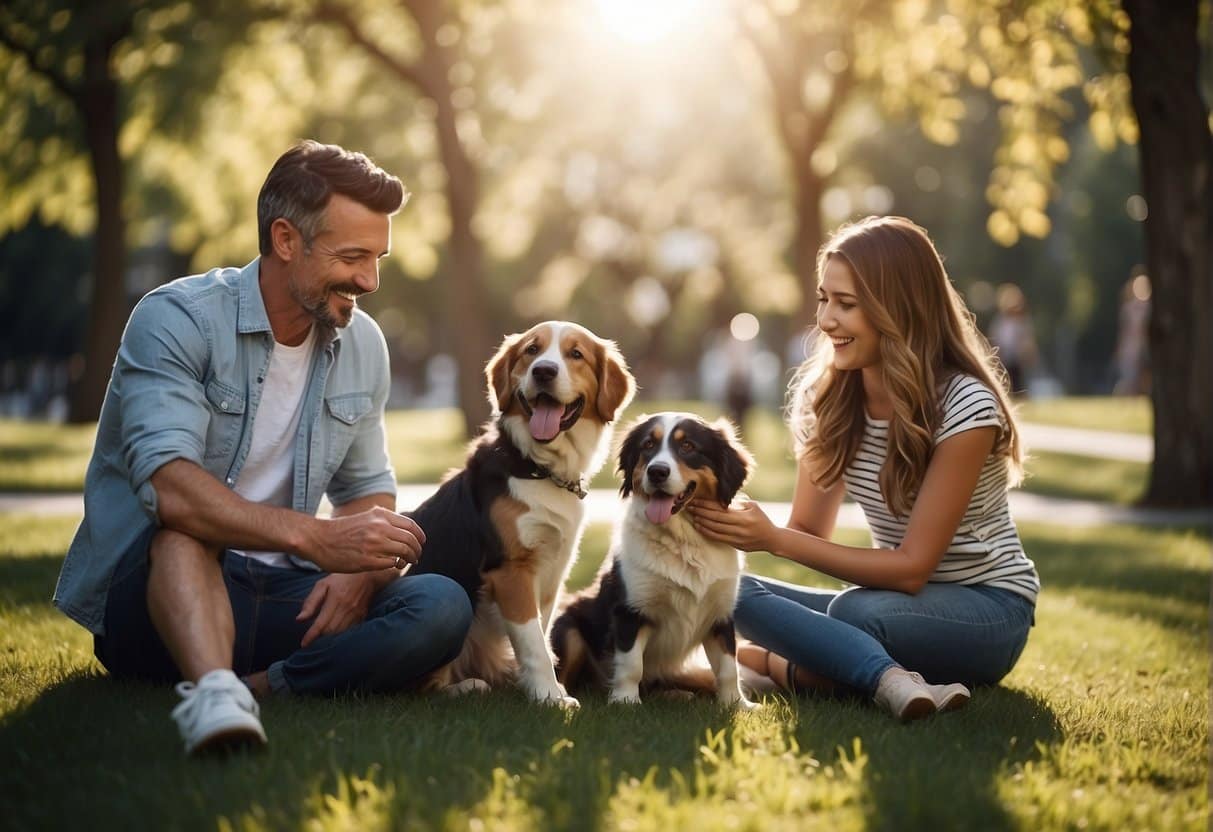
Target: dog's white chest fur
{"points": [[676, 578], [551, 527]]}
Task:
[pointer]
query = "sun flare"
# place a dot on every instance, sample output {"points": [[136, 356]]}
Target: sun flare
{"points": [[645, 21]]}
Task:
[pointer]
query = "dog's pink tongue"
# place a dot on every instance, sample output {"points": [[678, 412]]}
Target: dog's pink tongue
{"points": [[659, 508], [545, 421]]}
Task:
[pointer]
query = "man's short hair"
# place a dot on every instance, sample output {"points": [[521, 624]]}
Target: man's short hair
{"points": [[304, 179]]}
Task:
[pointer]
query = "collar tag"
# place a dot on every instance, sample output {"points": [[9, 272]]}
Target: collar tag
{"points": [[572, 486]]}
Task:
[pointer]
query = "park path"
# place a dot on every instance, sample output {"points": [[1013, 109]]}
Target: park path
{"points": [[1131, 447], [602, 504]]}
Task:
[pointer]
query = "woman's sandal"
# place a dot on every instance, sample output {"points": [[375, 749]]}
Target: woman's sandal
{"points": [[789, 681]]}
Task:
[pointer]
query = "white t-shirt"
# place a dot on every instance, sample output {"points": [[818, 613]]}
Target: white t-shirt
{"points": [[268, 473], [986, 548]]}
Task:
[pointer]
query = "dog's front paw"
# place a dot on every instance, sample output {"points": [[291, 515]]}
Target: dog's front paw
{"points": [[467, 686], [732, 697], [624, 697], [560, 699], [555, 695]]}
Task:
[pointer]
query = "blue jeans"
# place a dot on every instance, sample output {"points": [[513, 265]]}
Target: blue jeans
{"points": [[947, 632], [415, 624]]}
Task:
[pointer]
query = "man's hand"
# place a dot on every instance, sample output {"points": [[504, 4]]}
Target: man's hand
{"points": [[337, 602], [369, 540]]}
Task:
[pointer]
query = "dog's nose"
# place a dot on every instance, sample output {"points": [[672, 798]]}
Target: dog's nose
{"points": [[544, 371], [658, 472]]}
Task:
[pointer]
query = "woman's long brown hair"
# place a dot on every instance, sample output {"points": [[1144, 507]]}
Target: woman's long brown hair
{"points": [[927, 335]]}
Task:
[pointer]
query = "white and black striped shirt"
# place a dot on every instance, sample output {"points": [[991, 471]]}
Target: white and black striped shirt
{"points": [[986, 548]]}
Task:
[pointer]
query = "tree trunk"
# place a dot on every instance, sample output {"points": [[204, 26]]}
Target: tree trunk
{"points": [[99, 107], [809, 237], [1176, 154], [467, 318]]}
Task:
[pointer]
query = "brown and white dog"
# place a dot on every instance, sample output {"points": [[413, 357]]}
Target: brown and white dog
{"points": [[507, 525], [665, 589]]}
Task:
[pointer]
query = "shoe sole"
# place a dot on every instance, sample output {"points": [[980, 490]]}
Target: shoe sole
{"points": [[918, 708], [227, 740], [954, 702]]}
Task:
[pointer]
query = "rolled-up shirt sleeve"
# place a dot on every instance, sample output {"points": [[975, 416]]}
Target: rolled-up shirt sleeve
{"points": [[159, 376], [366, 468]]}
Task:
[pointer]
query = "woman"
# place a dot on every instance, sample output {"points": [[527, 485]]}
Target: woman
{"points": [[900, 407]]}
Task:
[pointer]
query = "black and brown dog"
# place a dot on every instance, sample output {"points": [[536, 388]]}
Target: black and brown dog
{"points": [[507, 526], [665, 589]]}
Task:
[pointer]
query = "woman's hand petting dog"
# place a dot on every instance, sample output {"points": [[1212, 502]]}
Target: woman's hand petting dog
{"points": [[744, 525], [337, 602], [374, 539]]}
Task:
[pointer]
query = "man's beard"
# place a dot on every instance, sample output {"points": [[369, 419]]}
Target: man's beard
{"points": [[318, 306]]}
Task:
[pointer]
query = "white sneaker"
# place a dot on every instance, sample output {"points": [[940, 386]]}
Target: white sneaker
{"points": [[904, 694], [218, 712], [949, 697]]}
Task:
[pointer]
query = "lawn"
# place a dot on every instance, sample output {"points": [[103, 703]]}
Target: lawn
{"points": [[1128, 414], [424, 444], [1103, 725]]}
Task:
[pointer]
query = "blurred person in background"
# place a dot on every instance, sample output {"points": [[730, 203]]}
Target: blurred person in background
{"points": [[1131, 358], [1012, 334]]}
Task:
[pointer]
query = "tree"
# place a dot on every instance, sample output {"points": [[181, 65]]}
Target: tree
{"points": [[440, 32], [829, 63], [808, 56], [1176, 152], [73, 70], [73, 53], [914, 58], [658, 233]]}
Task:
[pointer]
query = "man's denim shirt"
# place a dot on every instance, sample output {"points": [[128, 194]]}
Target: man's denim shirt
{"points": [[186, 385]]}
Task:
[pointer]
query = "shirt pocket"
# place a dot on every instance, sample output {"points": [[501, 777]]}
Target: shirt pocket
{"points": [[227, 405], [344, 412]]}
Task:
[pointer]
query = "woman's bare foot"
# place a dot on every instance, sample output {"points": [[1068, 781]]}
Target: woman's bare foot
{"points": [[788, 676]]}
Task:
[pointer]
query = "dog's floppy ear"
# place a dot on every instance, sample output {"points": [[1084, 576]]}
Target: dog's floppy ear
{"points": [[616, 386], [629, 452], [498, 372], [736, 462]]}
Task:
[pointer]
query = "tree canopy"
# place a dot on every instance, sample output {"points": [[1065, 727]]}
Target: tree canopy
{"points": [[648, 169]]}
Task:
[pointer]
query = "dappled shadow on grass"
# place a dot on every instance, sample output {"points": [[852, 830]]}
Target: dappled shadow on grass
{"points": [[28, 580], [111, 746], [1070, 476], [95, 750], [568, 772], [937, 773], [1155, 574], [433, 762], [116, 746]]}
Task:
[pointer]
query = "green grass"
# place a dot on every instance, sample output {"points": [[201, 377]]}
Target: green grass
{"points": [[1103, 725], [425, 444], [1130, 414], [36, 456], [1076, 477]]}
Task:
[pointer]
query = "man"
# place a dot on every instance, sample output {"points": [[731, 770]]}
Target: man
{"points": [[239, 398]]}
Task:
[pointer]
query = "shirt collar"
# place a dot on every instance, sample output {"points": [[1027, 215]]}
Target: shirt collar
{"points": [[252, 316]]}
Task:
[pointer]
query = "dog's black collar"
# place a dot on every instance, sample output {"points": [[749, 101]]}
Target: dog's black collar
{"points": [[524, 467]]}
